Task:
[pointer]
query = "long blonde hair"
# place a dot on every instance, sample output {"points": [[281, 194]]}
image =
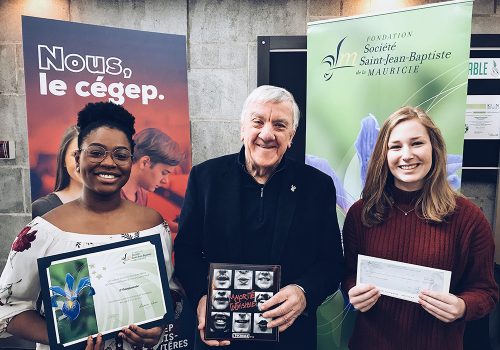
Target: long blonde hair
{"points": [[437, 200]]}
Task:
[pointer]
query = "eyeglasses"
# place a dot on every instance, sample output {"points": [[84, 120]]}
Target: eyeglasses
{"points": [[96, 154]]}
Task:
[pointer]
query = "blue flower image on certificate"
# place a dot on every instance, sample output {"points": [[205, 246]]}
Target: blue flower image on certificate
{"points": [[71, 306], [71, 300]]}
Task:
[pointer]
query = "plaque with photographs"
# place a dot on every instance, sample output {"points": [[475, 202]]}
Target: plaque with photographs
{"points": [[235, 293]]}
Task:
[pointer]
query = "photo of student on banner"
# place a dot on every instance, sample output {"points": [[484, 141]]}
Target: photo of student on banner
{"points": [[155, 157], [68, 182]]}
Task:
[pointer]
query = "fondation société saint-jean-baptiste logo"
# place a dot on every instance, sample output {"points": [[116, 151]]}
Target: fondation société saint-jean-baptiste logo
{"points": [[380, 55]]}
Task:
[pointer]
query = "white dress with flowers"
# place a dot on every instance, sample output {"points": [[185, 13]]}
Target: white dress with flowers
{"points": [[19, 283]]}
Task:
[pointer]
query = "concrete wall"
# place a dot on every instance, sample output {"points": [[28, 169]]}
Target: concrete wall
{"points": [[222, 57]]}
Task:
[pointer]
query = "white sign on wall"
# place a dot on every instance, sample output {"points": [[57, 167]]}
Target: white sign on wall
{"points": [[482, 117], [484, 68]]}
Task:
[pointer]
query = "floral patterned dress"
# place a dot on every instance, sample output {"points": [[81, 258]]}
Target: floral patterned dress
{"points": [[19, 283]]}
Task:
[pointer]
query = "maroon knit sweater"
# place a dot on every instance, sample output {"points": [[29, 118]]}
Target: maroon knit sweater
{"points": [[463, 245]]}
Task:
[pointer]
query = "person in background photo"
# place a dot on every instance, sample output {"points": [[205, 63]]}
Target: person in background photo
{"points": [[260, 207], [409, 213], [155, 157], [99, 216], [68, 185]]}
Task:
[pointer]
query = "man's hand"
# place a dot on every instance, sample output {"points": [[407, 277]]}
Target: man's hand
{"points": [[200, 312], [293, 304], [363, 296], [140, 337], [444, 306]]}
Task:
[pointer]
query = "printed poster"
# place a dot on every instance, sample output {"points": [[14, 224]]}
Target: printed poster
{"points": [[482, 118], [361, 69], [68, 65]]}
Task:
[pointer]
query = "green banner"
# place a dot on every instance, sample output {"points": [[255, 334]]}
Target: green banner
{"points": [[361, 69]]}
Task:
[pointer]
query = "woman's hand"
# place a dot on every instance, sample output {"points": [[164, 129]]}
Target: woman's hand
{"points": [[363, 296], [140, 337], [99, 343], [444, 306], [200, 312]]}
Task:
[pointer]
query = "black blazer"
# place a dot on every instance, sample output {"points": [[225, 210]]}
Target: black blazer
{"points": [[306, 242]]}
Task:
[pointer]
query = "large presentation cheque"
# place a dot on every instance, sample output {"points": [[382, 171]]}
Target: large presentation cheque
{"points": [[401, 280], [104, 289]]}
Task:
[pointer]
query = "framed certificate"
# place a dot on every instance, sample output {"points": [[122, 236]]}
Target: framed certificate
{"points": [[235, 293], [104, 289]]}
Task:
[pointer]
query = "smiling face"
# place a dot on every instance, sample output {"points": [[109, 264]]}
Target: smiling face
{"points": [[220, 321], [153, 176], [409, 155], [241, 322], [267, 132], [105, 177], [222, 278], [243, 279], [264, 279], [220, 299]]}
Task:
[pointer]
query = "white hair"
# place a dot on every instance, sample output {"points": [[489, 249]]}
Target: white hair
{"points": [[274, 94]]}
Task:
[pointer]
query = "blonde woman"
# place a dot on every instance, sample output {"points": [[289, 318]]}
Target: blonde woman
{"points": [[409, 213]]}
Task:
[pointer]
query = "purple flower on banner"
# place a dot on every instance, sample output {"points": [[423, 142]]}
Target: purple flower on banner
{"points": [[344, 201], [366, 142], [453, 164]]}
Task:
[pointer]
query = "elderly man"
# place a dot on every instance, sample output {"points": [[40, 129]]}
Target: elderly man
{"points": [[258, 207]]}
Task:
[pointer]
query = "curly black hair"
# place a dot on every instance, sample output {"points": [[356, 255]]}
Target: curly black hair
{"points": [[95, 115]]}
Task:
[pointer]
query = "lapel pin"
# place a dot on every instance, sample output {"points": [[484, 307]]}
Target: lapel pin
{"points": [[293, 188]]}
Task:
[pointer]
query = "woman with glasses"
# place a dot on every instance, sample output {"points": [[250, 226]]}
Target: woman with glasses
{"points": [[99, 216]]}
